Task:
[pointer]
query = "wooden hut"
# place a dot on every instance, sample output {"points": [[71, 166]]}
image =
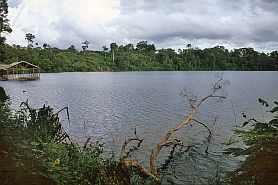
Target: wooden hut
{"points": [[19, 71]]}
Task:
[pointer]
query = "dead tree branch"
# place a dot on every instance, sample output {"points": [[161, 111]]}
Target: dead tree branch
{"points": [[140, 169], [87, 142], [165, 141], [210, 133], [133, 163], [127, 141]]}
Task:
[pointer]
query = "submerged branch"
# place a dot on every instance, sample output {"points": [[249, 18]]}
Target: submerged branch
{"points": [[140, 169], [210, 133], [126, 142], [165, 141]]}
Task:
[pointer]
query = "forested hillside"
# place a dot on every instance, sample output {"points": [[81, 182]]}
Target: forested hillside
{"points": [[142, 57]]}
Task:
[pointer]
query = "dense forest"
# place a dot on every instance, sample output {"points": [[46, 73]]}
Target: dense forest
{"points": [[142, 57]]}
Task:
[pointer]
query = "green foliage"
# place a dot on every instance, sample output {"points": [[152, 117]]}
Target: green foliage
{"points": [[40, 131], [143, 58], [69, 164], [3, 95], [4, 21], [144, 46], [30, 38], [4, 26], [261, 141], [5, 115], [40, 136], [39, 125]]}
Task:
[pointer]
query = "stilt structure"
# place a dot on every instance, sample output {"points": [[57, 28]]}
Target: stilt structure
{"points": [[19, 71]]}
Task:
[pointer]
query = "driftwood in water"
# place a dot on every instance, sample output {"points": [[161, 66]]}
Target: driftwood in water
{"points": [[167, 139]]}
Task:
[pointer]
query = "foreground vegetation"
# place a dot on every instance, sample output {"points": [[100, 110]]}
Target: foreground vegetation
{"points": [[43, 153], [142, 57], [34, 147], [40, 133], [261, 140]]}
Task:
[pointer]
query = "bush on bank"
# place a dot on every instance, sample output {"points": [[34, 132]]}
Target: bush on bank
{"points": [[39, 133]]}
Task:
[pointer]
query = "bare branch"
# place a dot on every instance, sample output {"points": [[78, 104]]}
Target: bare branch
{"points": [[209, 138], [173, 142], [165, 141], [210, 133], [67, 109], [172, 157], [140, 169], [127, 141], [177, 143], [220, 97], [4, 152], [87, 142]]}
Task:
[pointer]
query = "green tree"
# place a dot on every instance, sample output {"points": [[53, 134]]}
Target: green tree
{"points": [[4, 26], [72, 48], [144, 46], [85, 45], [113, 47], [4, 21], [129, 47], [30, 38], [105, 49], [45, 46]]}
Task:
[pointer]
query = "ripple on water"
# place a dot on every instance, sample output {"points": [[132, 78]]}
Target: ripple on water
{"points": [[106, 104]]}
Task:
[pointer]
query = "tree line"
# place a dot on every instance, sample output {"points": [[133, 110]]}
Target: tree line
{"points": [[141, 57]]}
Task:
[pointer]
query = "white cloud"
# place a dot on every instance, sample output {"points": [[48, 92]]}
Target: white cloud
{"points": [[62, 22], [166, 23]]}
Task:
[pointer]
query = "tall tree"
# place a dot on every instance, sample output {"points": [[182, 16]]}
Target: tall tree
{"points": [[189, 47], [30, 38], [105, 49], [4, 21], [85, 45], [144, 46], [4, 26], [129, 47], [45, 46], [113, 47]]}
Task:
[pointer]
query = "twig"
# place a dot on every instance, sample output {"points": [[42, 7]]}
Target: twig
{"points": [[67, 109], [142, 171], [233, 111], [87, 142], [210, 133], [126, 142], [4, 152]]}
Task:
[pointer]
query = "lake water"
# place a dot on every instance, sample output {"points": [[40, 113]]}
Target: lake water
{"points": [[108, 106]]}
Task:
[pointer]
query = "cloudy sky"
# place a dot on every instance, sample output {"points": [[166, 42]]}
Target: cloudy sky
{"points": [[166, 23]]}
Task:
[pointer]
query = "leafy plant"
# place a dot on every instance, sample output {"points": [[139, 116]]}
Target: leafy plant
{"points": [[261, 141], [39, 135], [38, 124]]}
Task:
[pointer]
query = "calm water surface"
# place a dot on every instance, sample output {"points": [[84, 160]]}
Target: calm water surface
{"points": [[108, 106]]}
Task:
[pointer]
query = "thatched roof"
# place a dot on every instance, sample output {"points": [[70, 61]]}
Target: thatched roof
{"points": [[25, 64]]}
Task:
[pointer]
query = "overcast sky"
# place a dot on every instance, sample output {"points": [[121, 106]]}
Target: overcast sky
{"points": [[165, 23]]}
